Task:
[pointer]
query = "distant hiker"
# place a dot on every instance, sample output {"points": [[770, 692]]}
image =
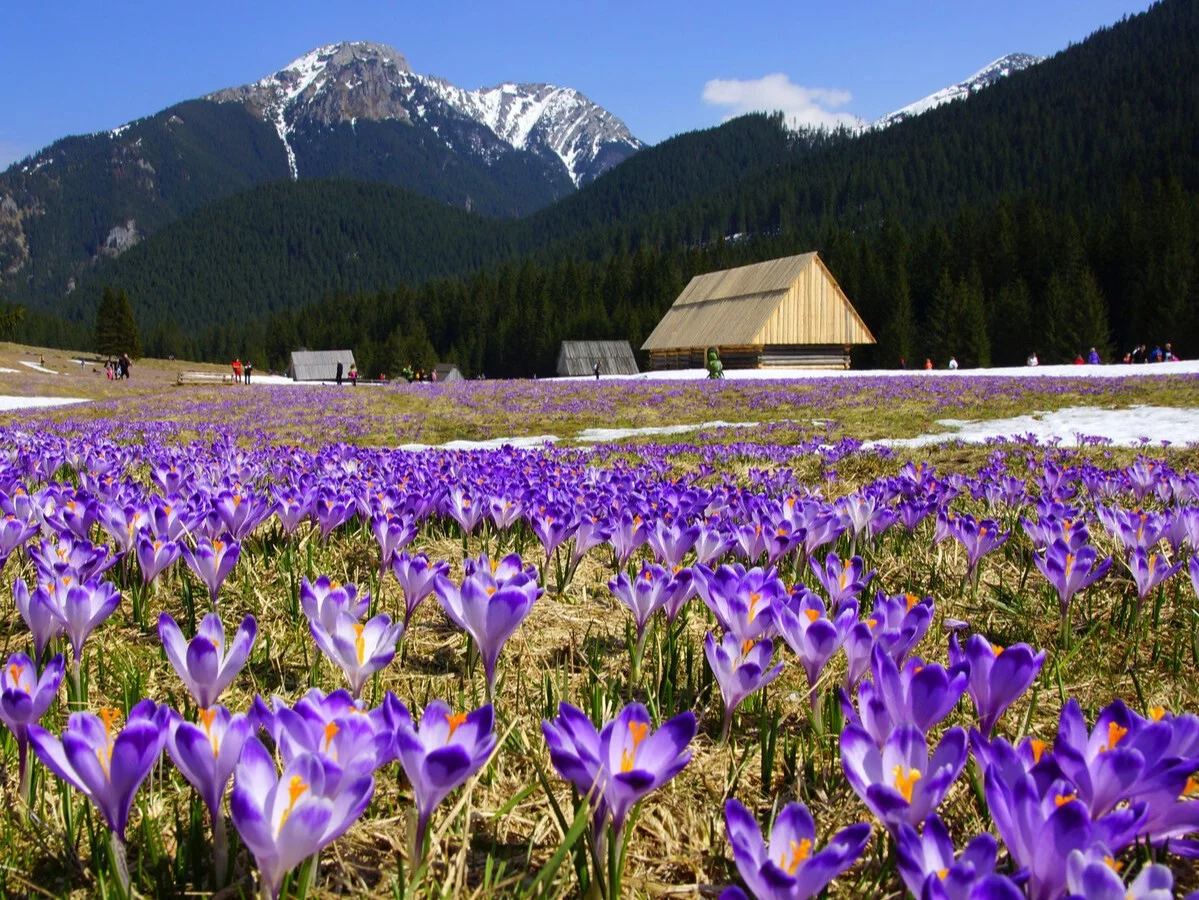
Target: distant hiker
{"points": [[903, 363], [1093, 358], [353, 374], [247, 368], [928, 363], [1079, 361], [236, 370], [1169, 355], [108, 370], [595, 369], [339, 373], [1138, 353], [433, 376], [1032, 359], [41, 360], [953, 363], [715, 366], [1156, 355], [125, 363]]}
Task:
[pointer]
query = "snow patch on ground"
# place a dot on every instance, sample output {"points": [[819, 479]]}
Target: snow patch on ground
{"points": [[5, 371], [600, 435], [592, 435], [37, 368], [1130, 427], [10, 403]]}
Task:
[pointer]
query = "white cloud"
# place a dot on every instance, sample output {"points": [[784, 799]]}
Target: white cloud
{"points": [[802, 106]]}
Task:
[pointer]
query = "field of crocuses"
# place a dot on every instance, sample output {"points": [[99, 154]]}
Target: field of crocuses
{"points": [[246, 661]]}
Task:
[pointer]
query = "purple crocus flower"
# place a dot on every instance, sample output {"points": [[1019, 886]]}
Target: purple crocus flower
{"points": [[901, 782], [978, 537], [841, 581], [24, 699], [439, 755], [1070, 570], [1101, 764], [859, 643], [358, 649], [932, 856], [204, 665], [284, 819], [322, 600], [1149, 570], [393, 533], [711, 544], [671, 542], [812, 635], [417, 577], [1041, 829], [920, 694], [241, 511], [745, 603], [206, 752], [899, 622], [155, 555], [83, 608], [591, 532], [622, 763], [332, 510], [998, 675], [464, 509], [628, 533], [493, 600], [504, 511], [1094, 875], [106, 768], [552, 527], [14, 532], [652, 589], [740, 669], [212, 561], [350, 745], [72, 555], [293, 507], [790, 867], [39, 614]]}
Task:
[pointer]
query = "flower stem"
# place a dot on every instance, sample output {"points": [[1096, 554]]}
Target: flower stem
{"points": [[120, 865], [26, 771], [220, 850]]}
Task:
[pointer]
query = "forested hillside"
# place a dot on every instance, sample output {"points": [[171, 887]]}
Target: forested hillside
{"points": [[1052, 211]]}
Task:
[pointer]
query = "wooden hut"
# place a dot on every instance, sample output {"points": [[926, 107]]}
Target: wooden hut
{"points": [[579, 357], [319, 365], [787, 312], [447, 372]]}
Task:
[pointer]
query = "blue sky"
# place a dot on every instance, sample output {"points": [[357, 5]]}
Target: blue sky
{"points": [[71, 67]]}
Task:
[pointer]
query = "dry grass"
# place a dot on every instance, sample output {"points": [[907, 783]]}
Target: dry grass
{"points": [[575, 642]]}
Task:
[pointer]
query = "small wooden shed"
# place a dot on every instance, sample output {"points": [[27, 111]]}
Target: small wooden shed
{"points": [[319, 365], [447, 372], [579, 358], [787, 312]]}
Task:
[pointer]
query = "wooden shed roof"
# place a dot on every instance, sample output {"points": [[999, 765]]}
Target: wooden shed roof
{"points": [[792, 301], [577, 358], [319, 365]]}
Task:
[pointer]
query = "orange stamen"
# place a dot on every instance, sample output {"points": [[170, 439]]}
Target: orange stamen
{"points": [[799, 852], [454, 720], [906, 783]]}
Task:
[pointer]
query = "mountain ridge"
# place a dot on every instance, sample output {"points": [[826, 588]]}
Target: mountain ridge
{"points": [[557, 123]]}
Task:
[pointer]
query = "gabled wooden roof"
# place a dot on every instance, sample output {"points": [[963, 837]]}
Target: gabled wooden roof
{"points": [[577, 358], [793, 300]]}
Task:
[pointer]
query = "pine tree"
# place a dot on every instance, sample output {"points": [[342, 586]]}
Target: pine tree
{"points": [[898, 338], [972, 323], [116, 328]]}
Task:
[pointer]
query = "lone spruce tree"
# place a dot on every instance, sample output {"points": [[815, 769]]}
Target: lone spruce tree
{"points": [[116, 329]]}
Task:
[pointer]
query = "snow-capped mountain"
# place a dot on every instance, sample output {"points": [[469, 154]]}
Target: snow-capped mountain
{"points": [[352, 82], [984, 77]]}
